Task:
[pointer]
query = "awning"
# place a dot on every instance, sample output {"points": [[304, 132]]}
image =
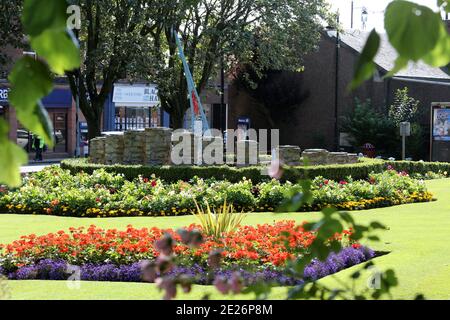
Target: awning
{"points": [[59, 98]]}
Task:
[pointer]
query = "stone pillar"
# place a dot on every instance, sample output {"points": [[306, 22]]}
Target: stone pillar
{"points": [[353, 158], [315, 156], [97, 150], [247, 153], [338, 158], [134, 147], [114, 148], [289, 155], [212, 150], [158, 146]]}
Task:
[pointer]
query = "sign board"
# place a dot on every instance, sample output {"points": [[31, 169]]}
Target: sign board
{"points": [[440, 132], [243, 125], [136, 96], [4, 96], [405, 129]]}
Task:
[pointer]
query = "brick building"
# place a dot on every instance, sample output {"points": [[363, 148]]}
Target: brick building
{"points": [[313, 123], [59, 104]]}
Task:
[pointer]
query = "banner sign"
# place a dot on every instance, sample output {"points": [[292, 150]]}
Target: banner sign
{"points": [[135, 96], [441, 124]]}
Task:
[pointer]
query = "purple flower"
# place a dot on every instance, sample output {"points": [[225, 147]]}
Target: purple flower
{"points": [[214, 259], [221, 284], [225, 279], [165, 245]]}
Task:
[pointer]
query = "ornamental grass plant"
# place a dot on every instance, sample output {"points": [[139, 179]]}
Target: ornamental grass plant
{"points": [[216, 222]]}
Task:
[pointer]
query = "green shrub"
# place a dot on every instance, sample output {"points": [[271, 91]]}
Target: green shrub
{"points": [[170, 174]]}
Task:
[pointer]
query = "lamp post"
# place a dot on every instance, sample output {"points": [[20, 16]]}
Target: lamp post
{"points": [[77, 103], [336, 85]]}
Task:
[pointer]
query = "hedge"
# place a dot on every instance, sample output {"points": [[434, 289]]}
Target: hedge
{"points": [[360, 170], [419, 167]]}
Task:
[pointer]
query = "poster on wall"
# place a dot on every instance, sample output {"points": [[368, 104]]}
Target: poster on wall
{"points": [[441, 125]]}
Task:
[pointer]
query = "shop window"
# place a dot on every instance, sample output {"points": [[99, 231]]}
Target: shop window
{"points": [[133, 118], [59, 120]]}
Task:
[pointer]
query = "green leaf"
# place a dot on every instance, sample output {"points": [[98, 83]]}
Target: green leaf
{"points": [[445, 4], [400, 63], [377, 225], [40, 15], [440, 55], [413, 30], [59, 49], [12, 157], [365, 66], [30, 81]]}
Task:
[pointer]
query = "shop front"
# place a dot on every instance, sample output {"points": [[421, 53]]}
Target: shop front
{"points": [[61, 112], [134, 107]]}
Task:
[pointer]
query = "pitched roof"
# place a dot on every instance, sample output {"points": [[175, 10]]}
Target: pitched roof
{"points": [[387, 55]]}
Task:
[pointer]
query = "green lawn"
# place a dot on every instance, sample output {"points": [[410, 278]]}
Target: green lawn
{"points": [[418, 239]]}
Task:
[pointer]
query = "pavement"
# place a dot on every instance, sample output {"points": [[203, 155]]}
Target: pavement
{"points": [[36, 166]]}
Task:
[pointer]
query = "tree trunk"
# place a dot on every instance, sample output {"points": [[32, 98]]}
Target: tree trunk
{"points": [[176, 121], [94, 127], [176, 106]]}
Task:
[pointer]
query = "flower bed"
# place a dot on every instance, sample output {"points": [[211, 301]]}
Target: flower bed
{"points": [[56, 192], [259, 252], [60, 270]]}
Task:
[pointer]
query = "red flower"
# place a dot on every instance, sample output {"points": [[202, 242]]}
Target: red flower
{"points": [[270, 244], [154, 183]]}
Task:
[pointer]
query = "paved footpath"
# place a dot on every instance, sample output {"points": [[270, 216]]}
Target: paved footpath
{"points": [[35, 167]]}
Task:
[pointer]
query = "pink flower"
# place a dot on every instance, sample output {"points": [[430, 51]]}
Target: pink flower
{"points": [[169, 285], [236, 283], [165, 245], [275, 170], [148, 270], [222, 284], [214, 259]]}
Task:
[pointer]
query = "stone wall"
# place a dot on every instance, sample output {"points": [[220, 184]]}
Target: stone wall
{"points": [[158, 146], [289, 155], [134, 147], [97, 150], [154, 146], [114, 148], [324, 157]]}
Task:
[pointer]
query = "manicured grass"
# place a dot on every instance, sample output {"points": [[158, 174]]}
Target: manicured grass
{"points": [[417, 238]]}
